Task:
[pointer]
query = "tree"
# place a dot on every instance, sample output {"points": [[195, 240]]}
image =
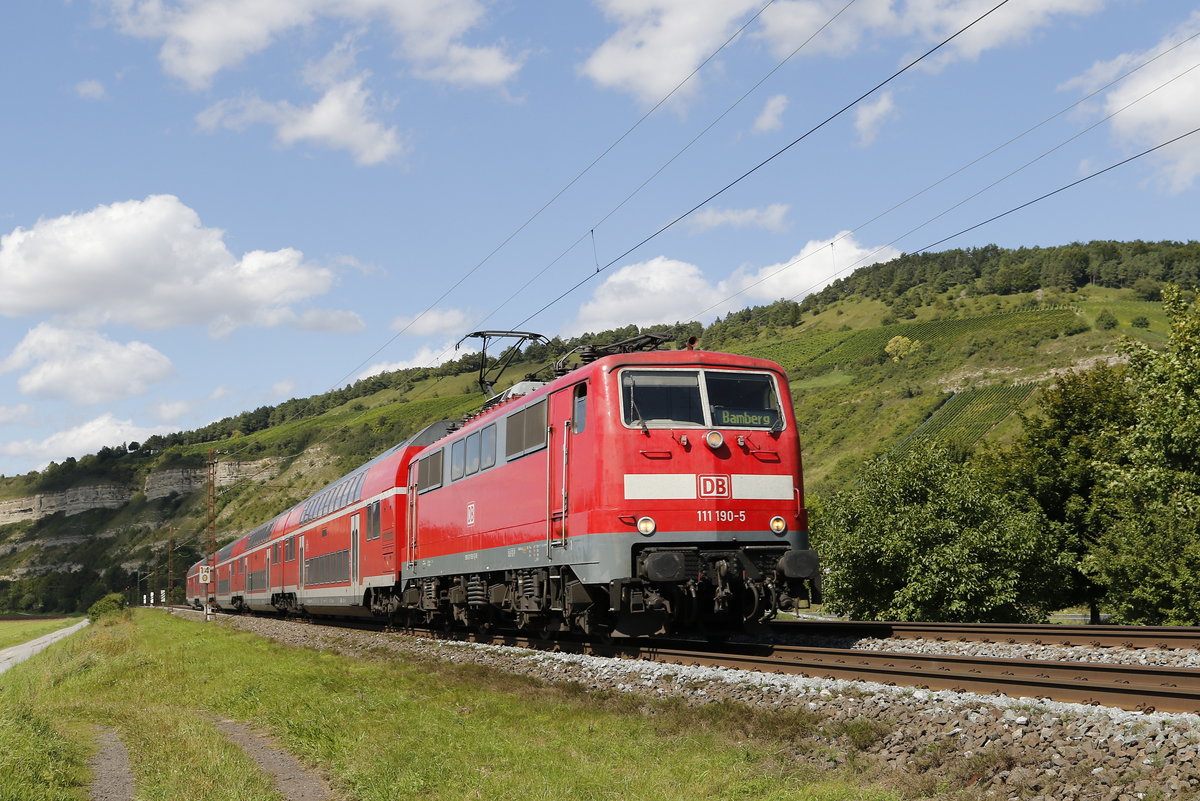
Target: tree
{"points": [[1149, 555], [923, 537], [1054, 462], [901, 347]]}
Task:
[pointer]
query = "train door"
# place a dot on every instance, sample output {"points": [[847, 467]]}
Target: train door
{"points": [[566, 416], [410, 523], [354, 551]]}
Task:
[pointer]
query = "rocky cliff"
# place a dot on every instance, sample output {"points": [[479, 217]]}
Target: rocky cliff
{"points": [[159, 484]]}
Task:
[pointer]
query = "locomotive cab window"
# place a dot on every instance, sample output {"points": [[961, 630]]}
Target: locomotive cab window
{"points": [[662, 398], [742, 400], [695, 399]]}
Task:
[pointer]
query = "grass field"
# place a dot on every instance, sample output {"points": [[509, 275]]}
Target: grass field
{"points": [[16, 631], [382, 727]]}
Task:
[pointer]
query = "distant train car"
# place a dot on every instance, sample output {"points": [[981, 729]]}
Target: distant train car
{"points": [[642, 492]]}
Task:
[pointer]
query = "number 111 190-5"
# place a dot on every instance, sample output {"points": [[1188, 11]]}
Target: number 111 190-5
{"points": [[720, 516]]}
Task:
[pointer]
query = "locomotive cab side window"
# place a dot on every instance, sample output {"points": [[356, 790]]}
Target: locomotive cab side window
{"points": [[579, 413]]}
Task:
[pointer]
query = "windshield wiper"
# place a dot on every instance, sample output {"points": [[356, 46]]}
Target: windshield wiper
{"points": [[633, 407]]}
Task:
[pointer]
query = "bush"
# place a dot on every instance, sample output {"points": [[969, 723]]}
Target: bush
{"points": [[1106, 320], [113, 602], [1141, 321]]}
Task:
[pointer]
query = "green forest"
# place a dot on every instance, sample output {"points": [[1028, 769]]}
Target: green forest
{"points": [[989, 434]]}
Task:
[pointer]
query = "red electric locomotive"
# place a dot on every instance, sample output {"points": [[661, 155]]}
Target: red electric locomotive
{"points": [[644, 491]]}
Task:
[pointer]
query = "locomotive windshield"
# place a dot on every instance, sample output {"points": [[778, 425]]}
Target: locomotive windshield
{"points": [[690, 398]]}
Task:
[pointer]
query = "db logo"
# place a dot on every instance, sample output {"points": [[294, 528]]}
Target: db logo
{"points": [[713, 486]]}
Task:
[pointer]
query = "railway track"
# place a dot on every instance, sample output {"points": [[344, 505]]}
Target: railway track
{"points": [[1167, 637], [1133, 687]]}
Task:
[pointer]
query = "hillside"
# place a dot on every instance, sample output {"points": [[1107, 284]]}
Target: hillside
{"points": [[893, 354]]}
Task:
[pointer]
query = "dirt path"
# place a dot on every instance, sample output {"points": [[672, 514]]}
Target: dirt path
{"points": [[112, 779], [293, 780]]}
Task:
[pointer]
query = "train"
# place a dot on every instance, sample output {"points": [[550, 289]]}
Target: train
{"points": [[640, 491]]}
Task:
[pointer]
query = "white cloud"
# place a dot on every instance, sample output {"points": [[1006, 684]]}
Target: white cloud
{"points": [[659, 42], [202, 38], [15, 414], [148, 263], [90, 90], [656, 291], [439, 322], [88, 437], [330, 321], [284, 388], [664, 290], [818, 264], [787, 24], [870, 116], [771, 117], [83, 366], [769, 218], [426, 357], [1167, 112], [342, 119], [171, 411]]}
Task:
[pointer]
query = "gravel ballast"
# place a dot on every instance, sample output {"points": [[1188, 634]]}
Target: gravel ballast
{"points": [[988, 746]]}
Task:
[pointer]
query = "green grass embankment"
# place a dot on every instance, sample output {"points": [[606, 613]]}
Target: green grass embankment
{"points": [[16, 631], [382, 726]]}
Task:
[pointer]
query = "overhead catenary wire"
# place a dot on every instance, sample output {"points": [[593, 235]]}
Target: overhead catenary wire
{"points": [[591, 232], [975, 194], [729, 109], [770, 158], [558, 194], [662, 101]]}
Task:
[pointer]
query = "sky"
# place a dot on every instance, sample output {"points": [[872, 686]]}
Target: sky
{"points": [[211, 205]]}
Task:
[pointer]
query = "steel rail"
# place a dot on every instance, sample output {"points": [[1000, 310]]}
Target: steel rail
{"points": [[1103, 636], [1133, 687]]}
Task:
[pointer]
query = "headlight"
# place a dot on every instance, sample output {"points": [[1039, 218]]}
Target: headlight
{"points": [[646, 526], [714, 439], [778, 524]]}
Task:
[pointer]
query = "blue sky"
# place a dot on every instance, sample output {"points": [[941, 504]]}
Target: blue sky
{"points": [[210, 205]]}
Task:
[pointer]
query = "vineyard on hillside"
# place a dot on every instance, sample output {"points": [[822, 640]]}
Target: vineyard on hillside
{"points": [[857, 347], [967, 416]]}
